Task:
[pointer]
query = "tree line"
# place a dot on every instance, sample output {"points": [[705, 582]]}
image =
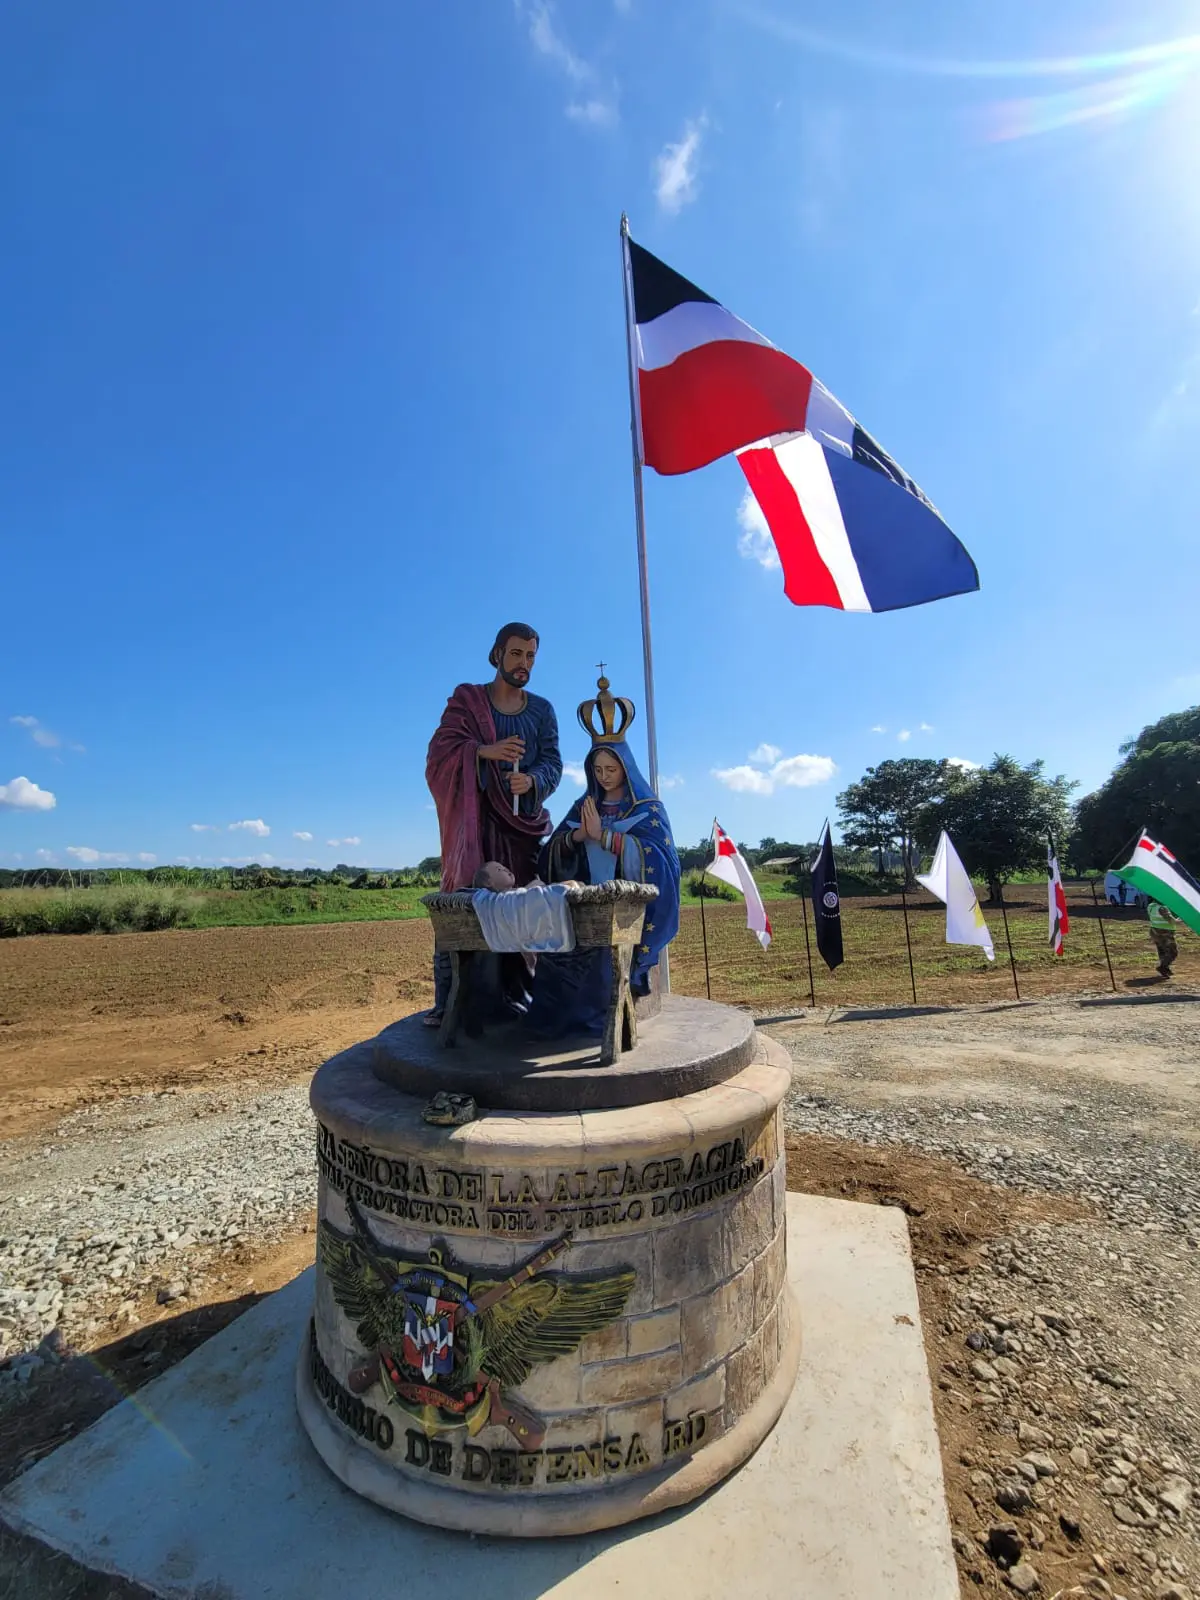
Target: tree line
{"points": [[1000, 816], [426, 874]]}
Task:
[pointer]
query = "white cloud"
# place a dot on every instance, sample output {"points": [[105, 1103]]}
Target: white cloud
{"points": [[904, 735], [804, 772], [675, 169], [793, 772], [547, 41], [302, 834], [254, 825], [204, 827], [925, 727], [765, 756], [674, 782], [85, 853], [350, 839], [574, 771], [755, 542], [744, 780], [963, 763], [42, 736], [594, 113], [46, 855], [591, 107], [879, 728], [145, 857], [21, 795]]}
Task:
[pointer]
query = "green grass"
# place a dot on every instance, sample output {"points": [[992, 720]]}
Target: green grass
{"points": [[260, 908], [145, 907], [113, 908]]}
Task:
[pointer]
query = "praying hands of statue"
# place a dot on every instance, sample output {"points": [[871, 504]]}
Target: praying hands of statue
{"points": [[589, 820]]}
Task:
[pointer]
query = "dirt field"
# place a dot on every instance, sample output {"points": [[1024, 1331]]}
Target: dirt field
{"points": [[1047, 1157], [89, 1016]]}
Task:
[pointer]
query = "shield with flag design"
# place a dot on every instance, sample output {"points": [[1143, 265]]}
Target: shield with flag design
{"points": [[428, 1334]]}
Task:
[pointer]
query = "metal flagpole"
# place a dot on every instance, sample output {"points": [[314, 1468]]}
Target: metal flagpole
{"points": [[1008, 936], [812, 993], [1103, 936], [912, 976], [635, 429], [704, 935]]}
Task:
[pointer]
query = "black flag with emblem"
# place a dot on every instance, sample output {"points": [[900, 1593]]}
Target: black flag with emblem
{"points": [[827, 904]]}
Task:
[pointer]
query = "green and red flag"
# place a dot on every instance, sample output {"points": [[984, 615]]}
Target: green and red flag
{"points": [[1154, 871]]}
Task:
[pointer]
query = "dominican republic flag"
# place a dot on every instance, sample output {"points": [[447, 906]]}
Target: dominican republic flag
{"points": [[1060, 922], [853, 531], [827, 904], [729, 864], [1155, 871]]}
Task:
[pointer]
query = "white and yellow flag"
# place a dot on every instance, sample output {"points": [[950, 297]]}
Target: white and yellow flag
{"points": [[947, 878]]}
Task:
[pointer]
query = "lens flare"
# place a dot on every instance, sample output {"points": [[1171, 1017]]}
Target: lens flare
{"points": [[1185, 48], [1125, 82], [1111, 99]]}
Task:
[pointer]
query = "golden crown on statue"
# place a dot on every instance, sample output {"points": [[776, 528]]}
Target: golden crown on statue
{"points": [[615, 712]]}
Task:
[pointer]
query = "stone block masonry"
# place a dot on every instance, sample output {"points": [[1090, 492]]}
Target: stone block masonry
{"points": [[548, 1309]]}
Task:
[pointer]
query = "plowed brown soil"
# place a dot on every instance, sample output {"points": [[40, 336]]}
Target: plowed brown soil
{"points": [[84, 1018]]}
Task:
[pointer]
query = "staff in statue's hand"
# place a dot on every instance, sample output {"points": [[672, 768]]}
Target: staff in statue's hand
{"points": [[513, 749]]}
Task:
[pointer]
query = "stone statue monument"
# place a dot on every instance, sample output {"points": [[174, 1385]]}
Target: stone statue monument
{"points": [[572, 1310]]}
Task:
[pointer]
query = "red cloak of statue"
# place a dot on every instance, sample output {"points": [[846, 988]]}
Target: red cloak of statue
{"points": [[477, 824]]}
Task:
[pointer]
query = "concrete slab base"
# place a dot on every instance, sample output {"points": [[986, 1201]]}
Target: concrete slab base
{"points": [[204, 1484]]}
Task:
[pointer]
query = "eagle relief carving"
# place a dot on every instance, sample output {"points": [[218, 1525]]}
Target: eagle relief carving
{"points": [[449, 1347]]}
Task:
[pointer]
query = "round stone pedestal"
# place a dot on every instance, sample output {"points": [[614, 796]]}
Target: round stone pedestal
{"points": [[550, 1321]]}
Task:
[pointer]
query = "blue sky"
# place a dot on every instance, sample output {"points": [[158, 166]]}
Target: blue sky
{"points": [[315, 373]]}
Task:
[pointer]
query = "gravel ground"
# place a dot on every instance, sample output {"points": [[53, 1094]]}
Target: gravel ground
{"points": [[1065, 1349], [138, 1195], [1067, 1356]]}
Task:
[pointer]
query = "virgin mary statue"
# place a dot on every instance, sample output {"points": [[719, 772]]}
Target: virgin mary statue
{"points": [[617, 829]]}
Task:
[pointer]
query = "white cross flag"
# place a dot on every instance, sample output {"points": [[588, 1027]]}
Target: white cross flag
{"points": [[729, 864]]}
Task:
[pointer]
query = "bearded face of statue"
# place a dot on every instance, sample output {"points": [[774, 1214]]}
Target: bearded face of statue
{"points": [[516, 662]]}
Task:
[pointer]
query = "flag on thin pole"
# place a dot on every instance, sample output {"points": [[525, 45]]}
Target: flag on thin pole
{"points": [[729, 864], [827, 905], [852, 529], [948, 879], [1154, 871], [1060, 922]]}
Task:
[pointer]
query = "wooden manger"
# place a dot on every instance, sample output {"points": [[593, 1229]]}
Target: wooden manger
{"points": [[606, 916]]}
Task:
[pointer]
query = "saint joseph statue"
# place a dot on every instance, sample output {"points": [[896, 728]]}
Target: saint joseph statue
{"points": [[492, 765]]}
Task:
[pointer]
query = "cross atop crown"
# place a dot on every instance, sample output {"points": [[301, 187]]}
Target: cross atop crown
{"points": [[615, 714]]}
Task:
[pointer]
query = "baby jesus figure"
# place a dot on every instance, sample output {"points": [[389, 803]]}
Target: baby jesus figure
{"points": [[531, 920], [494, 875]]}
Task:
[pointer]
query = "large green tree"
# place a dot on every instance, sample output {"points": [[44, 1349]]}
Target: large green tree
{"points": [[1156, 786], [880, 811], [999, 818]]}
